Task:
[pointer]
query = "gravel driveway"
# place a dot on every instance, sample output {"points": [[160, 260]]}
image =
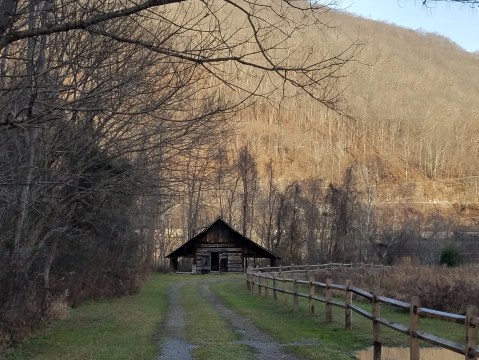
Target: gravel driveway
{"points": [[173, 342], [174, 346]]}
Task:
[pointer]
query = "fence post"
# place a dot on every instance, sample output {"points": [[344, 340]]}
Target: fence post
{"points": [[413, 327], [292, 271], [279, 272], [348, 298], [259, 284], [295, 296], [266, 290], [311, 295], [275, 296], [376, 328], [329, 297], [471, 332], [285, 296], [307, 271], [252, 280]]}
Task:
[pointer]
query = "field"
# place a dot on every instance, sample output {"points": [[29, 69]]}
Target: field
{"points": [[131, 327]]}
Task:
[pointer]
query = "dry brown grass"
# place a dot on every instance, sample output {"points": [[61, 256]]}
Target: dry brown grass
{"points": [[438, 287], [59, 309]]}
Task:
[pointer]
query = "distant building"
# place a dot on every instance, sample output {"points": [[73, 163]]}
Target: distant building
{"points": [[220, 248]]}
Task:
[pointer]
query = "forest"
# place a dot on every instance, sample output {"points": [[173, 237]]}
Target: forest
{"points": [[127, 127]]}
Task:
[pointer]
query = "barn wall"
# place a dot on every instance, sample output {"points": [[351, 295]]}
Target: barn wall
{"points": [[221, 246], [230, 254]]}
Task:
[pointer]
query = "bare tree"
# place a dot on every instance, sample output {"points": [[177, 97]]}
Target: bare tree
{"points": [[90, 127], [223, 39], [314, 220], [222, 177], [248, 173], [101, 104], [343, 202], [267, 208]]}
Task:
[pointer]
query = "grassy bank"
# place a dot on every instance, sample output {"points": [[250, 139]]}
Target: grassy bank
{"points": [[114, 329], [333, 342], [309, 337], [126, 328]]}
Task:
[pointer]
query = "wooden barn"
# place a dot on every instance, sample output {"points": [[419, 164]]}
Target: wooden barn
{"points": [[220, 248]]}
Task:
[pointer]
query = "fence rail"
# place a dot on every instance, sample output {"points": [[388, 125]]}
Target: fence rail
{"points": [[268, 279]]}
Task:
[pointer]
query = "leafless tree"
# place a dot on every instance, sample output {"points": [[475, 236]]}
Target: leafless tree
{"points": [[248, 173], [223, 39], [101, 104], [314, 220], [268, 198]]}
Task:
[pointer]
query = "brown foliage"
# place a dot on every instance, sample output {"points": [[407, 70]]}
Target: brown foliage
{"points": [[412, 107], [438, 287]]}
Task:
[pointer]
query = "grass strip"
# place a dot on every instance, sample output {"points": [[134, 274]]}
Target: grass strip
{"points": [[278, 319], [205, 328], [122, 328]]}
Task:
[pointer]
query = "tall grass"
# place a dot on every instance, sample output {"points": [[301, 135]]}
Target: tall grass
{"points": [[438, 287]]}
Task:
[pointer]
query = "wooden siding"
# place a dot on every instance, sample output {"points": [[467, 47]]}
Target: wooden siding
{"points": [[229, 252], [219, 248]]}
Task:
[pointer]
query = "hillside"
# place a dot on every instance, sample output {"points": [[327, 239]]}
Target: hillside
{"points": [[414, 123], [126, 127]]}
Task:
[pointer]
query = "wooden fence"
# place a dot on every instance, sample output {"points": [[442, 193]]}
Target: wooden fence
{"points": [[268, 280]]}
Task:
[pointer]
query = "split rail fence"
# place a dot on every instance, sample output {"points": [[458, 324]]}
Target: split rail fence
{"points": [[275, 280]]}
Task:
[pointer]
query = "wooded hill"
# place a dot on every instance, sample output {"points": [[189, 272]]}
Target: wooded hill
{"points": [[396, 164], [117, 141], [412, 98]]}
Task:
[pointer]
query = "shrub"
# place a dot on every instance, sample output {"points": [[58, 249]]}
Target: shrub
{"points": [[450, 256], [443, 288]]}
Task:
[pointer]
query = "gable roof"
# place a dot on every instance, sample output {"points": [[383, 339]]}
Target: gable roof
{"points": [[258, 251]]}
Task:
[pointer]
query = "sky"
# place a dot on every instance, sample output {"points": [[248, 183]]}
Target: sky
{"points": [[458, 22]]}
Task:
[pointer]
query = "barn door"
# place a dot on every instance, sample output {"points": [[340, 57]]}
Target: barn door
{"points": [[215, 261]]}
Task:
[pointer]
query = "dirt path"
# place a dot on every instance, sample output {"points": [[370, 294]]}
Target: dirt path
{"points": [[174, 345], [264, 346], [172, 333]]}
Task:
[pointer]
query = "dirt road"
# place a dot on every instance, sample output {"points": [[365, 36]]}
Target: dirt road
{"points": [[174, 345], [173, 337]]}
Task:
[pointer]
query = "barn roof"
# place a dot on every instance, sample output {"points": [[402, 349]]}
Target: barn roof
{"points": [[252, 248]]}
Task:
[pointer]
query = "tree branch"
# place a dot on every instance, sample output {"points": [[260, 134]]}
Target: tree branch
{"points": [[50, 28]]}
